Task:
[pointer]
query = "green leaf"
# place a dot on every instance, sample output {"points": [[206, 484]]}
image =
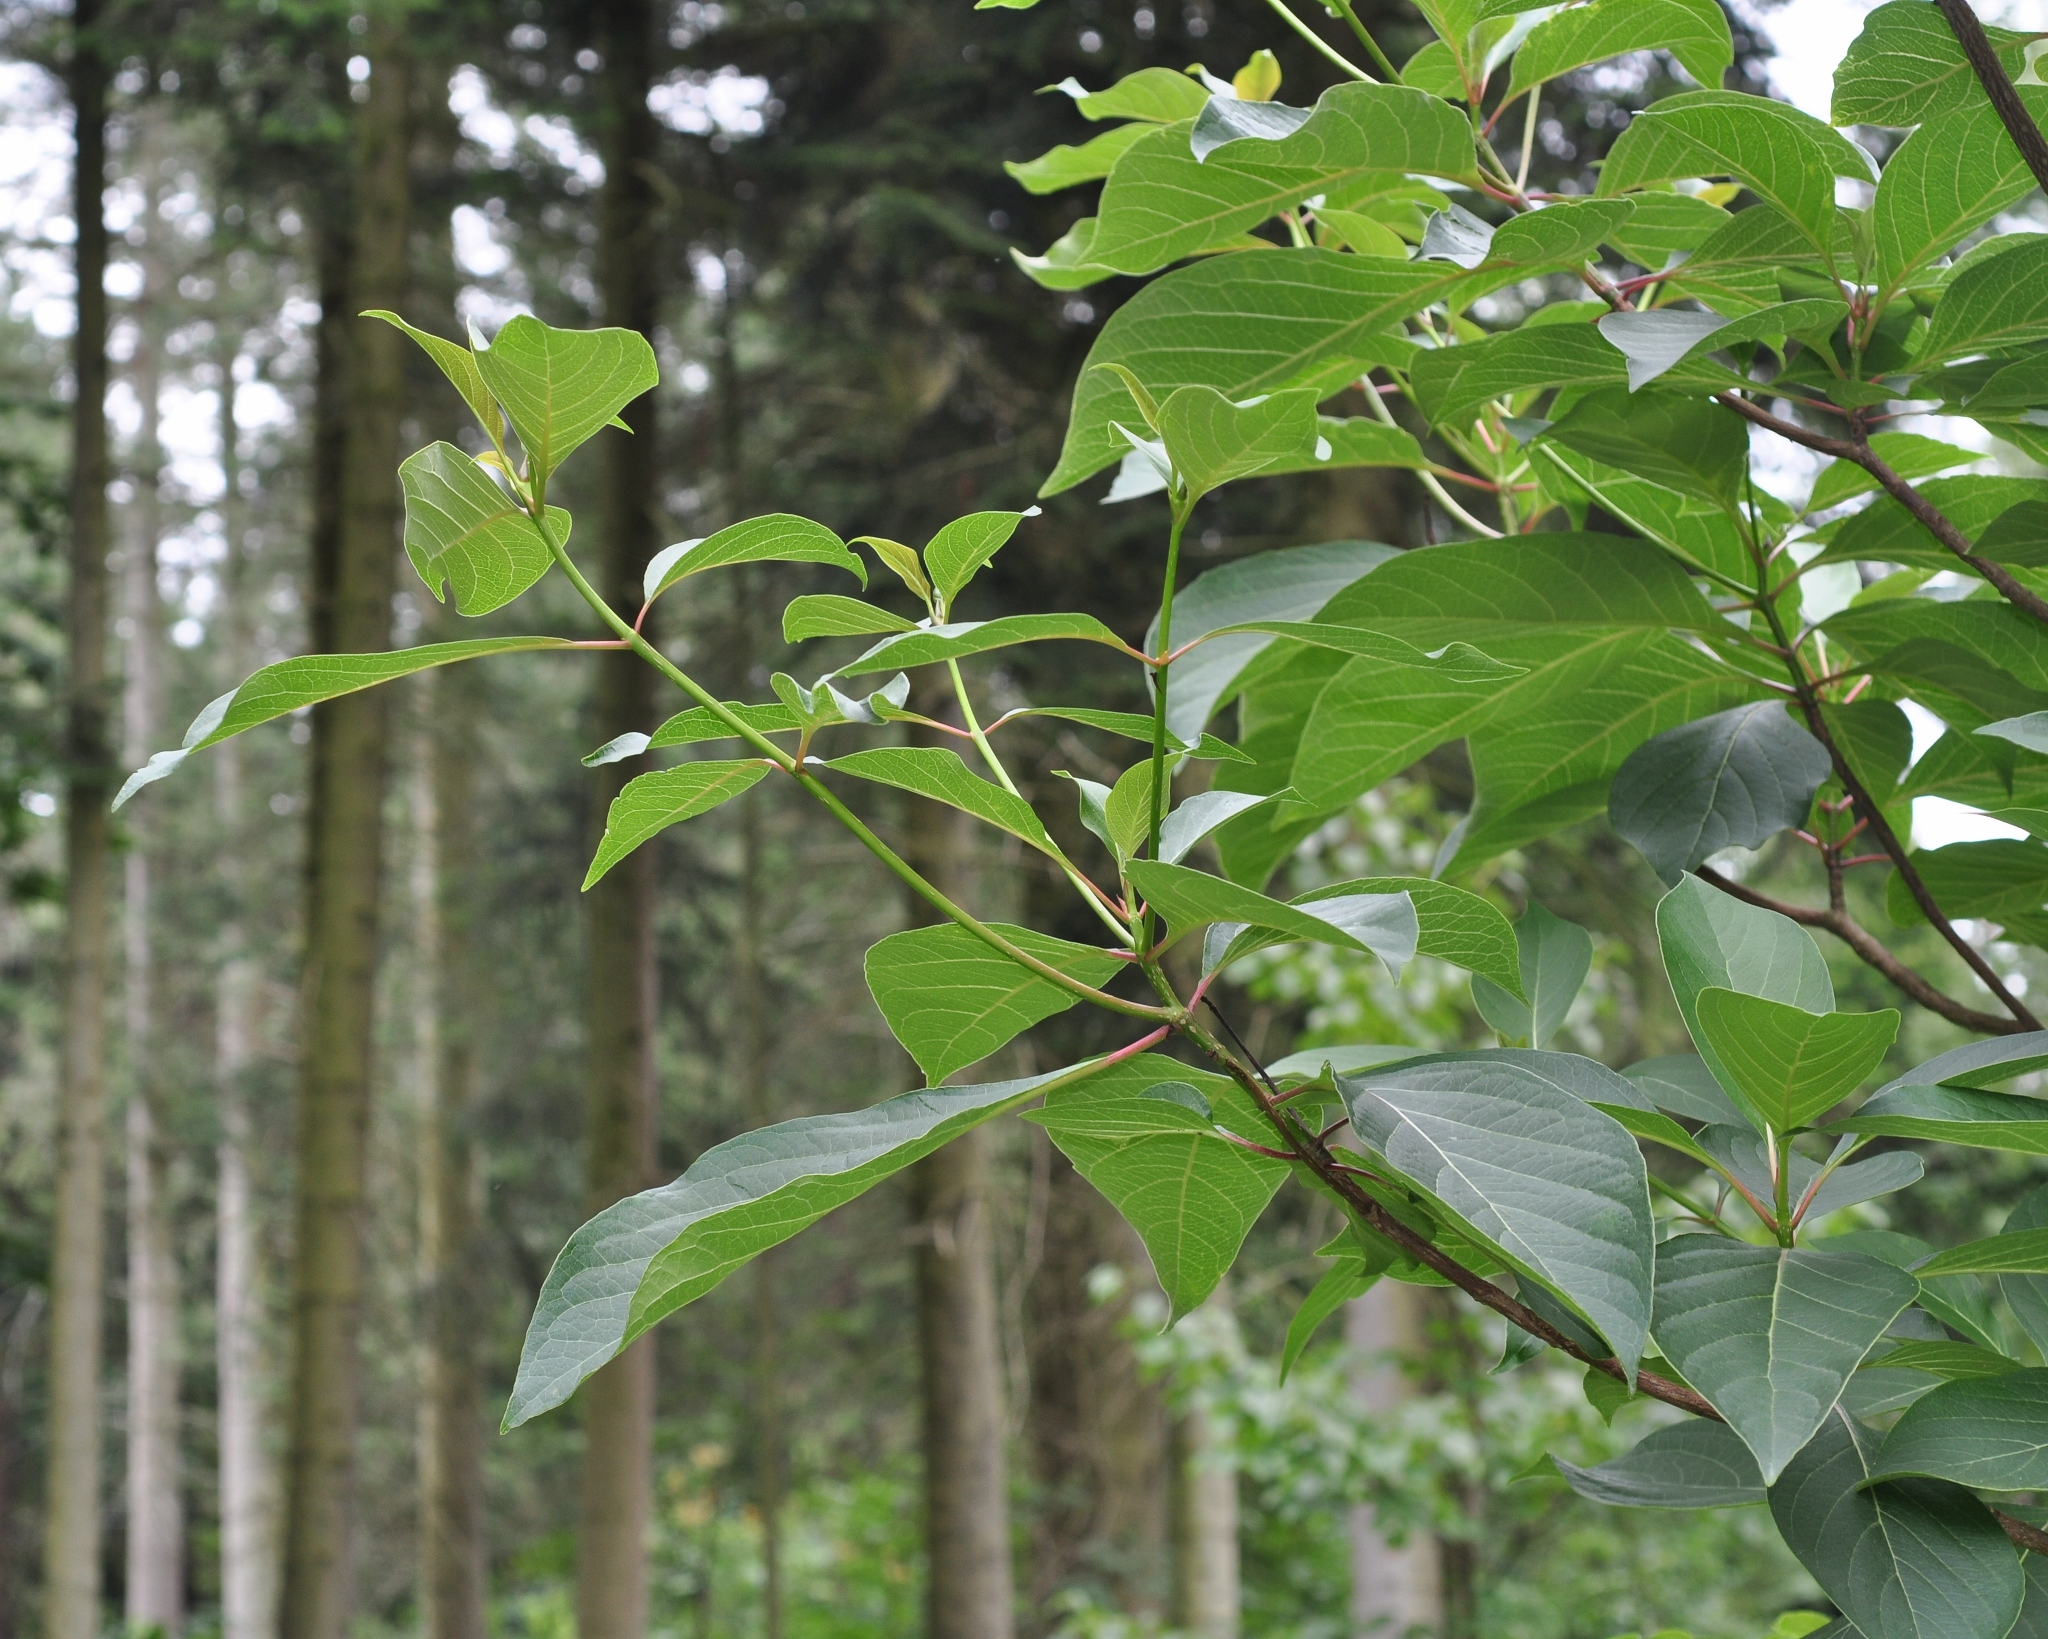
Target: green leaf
{"points": [[1212, 441], [458, 364], [1886, 532], [1989, 1433], [653, 802], [1945, 1361], [1453, 925], [1164, 200], [1199, 815], [1553, 956], [1068, 167], [779, 537], [827, 614], [1132, 726], [1344, 1280], [1659, 340], [1908, 454], [928, 645], [1694, 1464], [559, 386], [932, 771], [1690, 445], [1190, 1193], [964, 547], [1158, 95], [2015, 1252], [645, 1257], [1945, 181], [1990, 305], [1734, 779], [1906, 67], [1912, 1559], [1563, 233], [1953, 1115], [1553, 1186], [1351, 441], [1712, 940], [1382, 925], [1786, 158], [701, 723], [1770, 1334], [1682, 1083], [1980, 1063], [1784, 1065], [1065, 264], [1693, 31], [951, 1000], [2004, 879], [288, 685], [1243, 324], [464, 530], [1127, 811]]}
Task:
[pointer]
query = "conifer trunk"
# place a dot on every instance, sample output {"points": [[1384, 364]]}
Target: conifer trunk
{"points": [[1393, 1587], [618, 1403], [353, 582], [155, 1593], [71, 1543]]}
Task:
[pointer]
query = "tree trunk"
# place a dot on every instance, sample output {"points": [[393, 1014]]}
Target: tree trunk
{"points": [[1393, 1588], [618, 1403], [451, 1574], [353, 580], [248, 1485], [969, 1592], [71, 1564], [1203, 1504], [156, 1527]]}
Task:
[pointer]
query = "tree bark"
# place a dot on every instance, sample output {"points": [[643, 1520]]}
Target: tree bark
{"points": [[618, 1403], [354, 549], [71, 1562], [451, 1573], [248, 1484], [1203, 1504], [1393, 1587], [155, 1593]]}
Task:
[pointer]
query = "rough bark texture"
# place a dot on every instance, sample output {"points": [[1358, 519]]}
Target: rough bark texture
{"points": [[451, 1545], [1393, 1588], [71, 1562], [353, 569], [618, 1403], [155, 1582]]}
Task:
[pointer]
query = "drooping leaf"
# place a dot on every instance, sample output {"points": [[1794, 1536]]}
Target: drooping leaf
{"points": [[951, 1000], [1734, 779], [1784, 1065], [1066, 166], [1132, 726], [1562, 234], [827, 614], [1064, 264], [1553, 1186], [964, 546], [1554, 956], [287, 685], [1693, 31], [1770, 1334], [1910, 455], [458, 364], [1979, 1063], [653, 802], [1211, 440], [932, 771], [558, 387], [2004, 879], [462, 530], [778, 537], [1344, 1280], [1909, 1559], [1886, 532], [1382, 925], [1694, 1464], [645, 1257], [701, 723]]}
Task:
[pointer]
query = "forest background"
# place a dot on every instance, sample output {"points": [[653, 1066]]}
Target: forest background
{"points": [[805, 206]]}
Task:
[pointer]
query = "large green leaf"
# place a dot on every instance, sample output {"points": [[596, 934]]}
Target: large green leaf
{"points": [[1910, 455], [1734, 779], [951, 1000], [1953, 1115], [1066, 166], [778, 537], [1711, 939], [1379, 924], [1784, 1065], [1553, 1186], [1553, 957], [1906, 66], [1908, 1559], [1770, 1334], [2027, 1295], [932, 771], [1979, 1063], [1211, 440], [1998, 303], [1244, 324], [1157, 95], [287, 685], [2012, 1252], [2004, 879], [1691, 445], [1885, 532], [1693, 31], [1787, 158], [653, 802], [1190, 1193], [559, 386], [1452, 924], [462, 530], [1563, 233], [1163, 201], [1947, 180], [645, 1257], [1694, 1464]]}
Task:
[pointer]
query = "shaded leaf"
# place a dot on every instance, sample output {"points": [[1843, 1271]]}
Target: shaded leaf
{"points": [[1554, 957], [1695, 1464]]}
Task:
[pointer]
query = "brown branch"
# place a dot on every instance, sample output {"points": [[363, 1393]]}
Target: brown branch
{"points": [[1846, 928], [1930, 517], [2030, 1537], [2012, 113]]}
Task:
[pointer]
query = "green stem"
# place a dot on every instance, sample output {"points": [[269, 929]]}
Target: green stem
{"points": [[1180, 523], [838, 810], [1320, 43], [1783, 1202], [1429, 480], [1343, 9]]}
